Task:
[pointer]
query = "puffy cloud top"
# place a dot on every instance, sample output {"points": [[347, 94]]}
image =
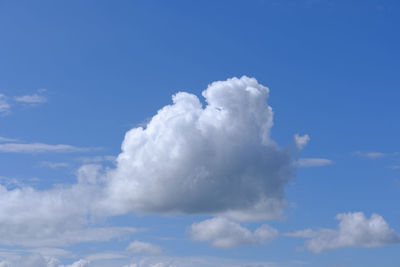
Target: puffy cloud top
{"points": [[223, 233], [217, 159], [355, 230]]}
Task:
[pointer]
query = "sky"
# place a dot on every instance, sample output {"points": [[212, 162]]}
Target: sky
{"points": [[199, 133]]}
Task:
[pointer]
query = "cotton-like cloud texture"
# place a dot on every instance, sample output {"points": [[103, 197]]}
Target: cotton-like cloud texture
{"points": [[355, 230], [223, 233], [216, 159], [55, 217], [301, 141], [190, 159], [38, 260]]}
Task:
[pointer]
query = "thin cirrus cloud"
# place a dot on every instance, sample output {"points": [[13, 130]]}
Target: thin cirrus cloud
{"points": [[313, 162], [370, 155], [4, 105], [31, 100], [54, 165], [37, 98], [223, 233], [354, 230], [6, 139], [40, 148]]}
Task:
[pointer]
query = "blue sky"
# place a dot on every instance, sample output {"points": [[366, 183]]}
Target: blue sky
{"points": [[100, 167]]}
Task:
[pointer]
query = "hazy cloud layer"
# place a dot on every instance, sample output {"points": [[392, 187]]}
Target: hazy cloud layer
{"points": [[355, 230], [56, 217], [223, 233], [216, 159]]}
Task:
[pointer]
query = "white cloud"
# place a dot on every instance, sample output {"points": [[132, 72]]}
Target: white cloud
{"points": [[36, 98], [217, 159], [223, 233], [31, 260], [355, 230], [79, 263], [55, 217], [301, 141], [143, 248], [198, 262], [97, 159], [370, 155], [4, 106], [313, 162], [5, 139], [39, 260], [54, 165], [39, 148]]}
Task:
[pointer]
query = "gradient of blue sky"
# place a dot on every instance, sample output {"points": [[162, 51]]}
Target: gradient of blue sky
{"points": [[108, 66]]}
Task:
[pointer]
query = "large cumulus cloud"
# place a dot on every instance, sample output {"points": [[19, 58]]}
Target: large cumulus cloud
{"points": [[212, 159]]}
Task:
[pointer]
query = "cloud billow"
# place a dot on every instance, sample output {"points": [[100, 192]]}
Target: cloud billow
{"points": [[354, 230], [217, 159]]}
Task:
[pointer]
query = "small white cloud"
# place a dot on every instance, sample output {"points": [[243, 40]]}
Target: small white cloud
{"points": [[355, 230], [37, 98], [370, 155], [54, 165], [4, 106], [313, 162], [40, 148], [223, 233], [143, 248], [301, 141]]}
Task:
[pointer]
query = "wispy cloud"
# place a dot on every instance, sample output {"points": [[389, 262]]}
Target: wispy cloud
{"points": [[53, 165], [97, 159], [143, 248], [40, 148], [5, 139], [4, 105], [37, 98], [313, 162], [370, 155]]}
